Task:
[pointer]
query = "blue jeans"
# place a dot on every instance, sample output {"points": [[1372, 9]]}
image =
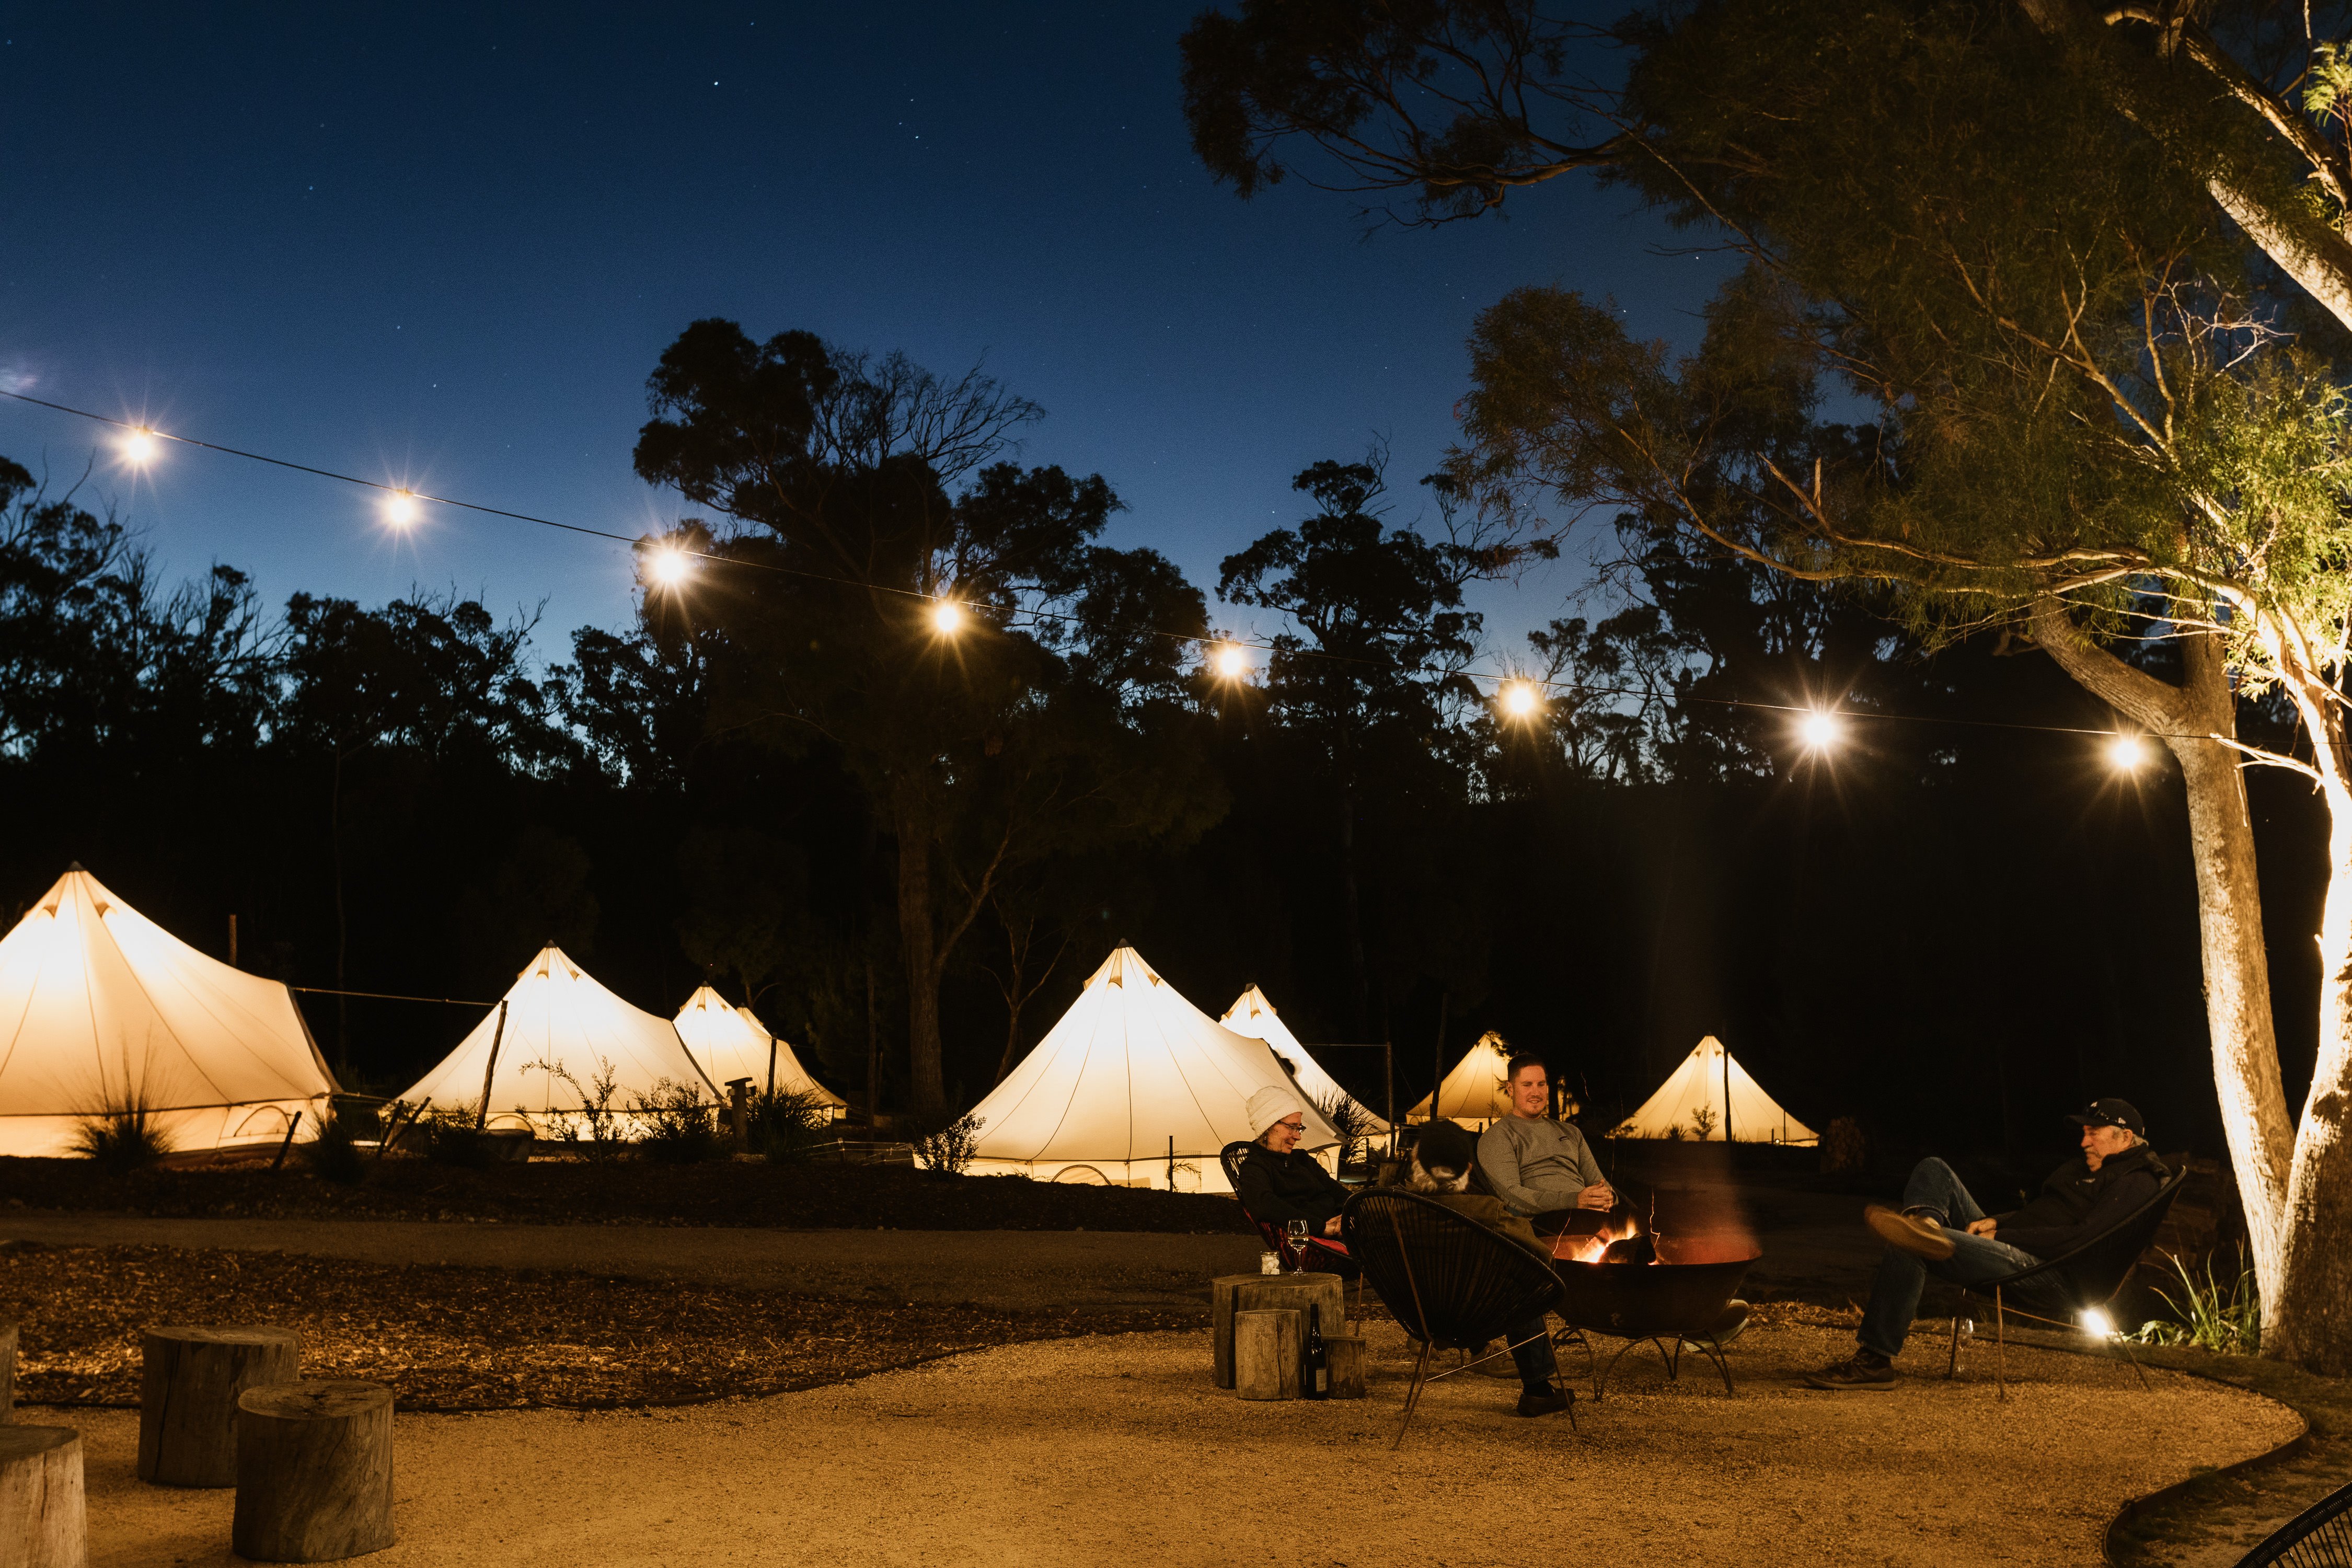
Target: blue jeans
{"points": [[1531, 1345], [1903, 1275]]}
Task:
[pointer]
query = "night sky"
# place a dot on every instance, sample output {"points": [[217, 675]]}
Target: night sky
{"points": [[444, 249]]}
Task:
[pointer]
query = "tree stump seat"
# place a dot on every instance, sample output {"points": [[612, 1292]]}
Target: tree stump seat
{"points": [[189, 1382], [41, 1517], [1269, 1351], [313, 1471]]}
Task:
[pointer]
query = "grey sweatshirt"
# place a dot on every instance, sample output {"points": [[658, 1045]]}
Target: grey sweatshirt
{"points": [[1536, 1164]]}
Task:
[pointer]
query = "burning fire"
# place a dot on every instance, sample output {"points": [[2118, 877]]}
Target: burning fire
{"points": [[1612, 1238]]}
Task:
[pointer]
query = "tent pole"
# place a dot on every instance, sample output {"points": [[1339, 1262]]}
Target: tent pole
{"points": [[1726, 1098], [482, 1117], [771, 1066], [1388, 1079]]}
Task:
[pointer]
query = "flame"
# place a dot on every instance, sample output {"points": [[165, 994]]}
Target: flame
{"points": [[1591, 1248]]}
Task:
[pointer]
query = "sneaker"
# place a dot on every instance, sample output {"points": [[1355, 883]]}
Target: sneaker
{"points": [[1546, 1401], [1913, 1234], [1862, 1370], [1730, 1325]]}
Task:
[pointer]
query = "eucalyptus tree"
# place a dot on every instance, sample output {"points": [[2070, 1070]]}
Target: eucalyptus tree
{"points": [[891, 585], [2087, 421]]}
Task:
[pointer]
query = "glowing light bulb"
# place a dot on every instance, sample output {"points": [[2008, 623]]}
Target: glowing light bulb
{"points": [[1820, 731], [1521, 699], [2126, 752], [400, 509], [140, 444], [1229, 660], [947, 617], [2097, 1321], [668, 566]]}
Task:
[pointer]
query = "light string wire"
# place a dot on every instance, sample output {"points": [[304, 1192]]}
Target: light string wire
{"points": [[1501, 681]]}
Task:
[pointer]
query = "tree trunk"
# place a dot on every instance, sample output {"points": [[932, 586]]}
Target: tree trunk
{"points": [[190, 1381], [918, 942], [1354, 914], [314, 1472], [41, 1504], [335, 845], [2228, 909]]}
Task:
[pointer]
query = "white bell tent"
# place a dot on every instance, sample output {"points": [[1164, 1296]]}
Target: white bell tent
{"points": [[101, 1009], [1476, 1091], [1694, 1101], [1133, 1079], [1253, 1015], [729, 1043], [556, 1017]]}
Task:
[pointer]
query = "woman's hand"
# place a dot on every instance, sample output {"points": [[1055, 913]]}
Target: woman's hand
{"points": [[1982, 1227], [1331, 1225]]}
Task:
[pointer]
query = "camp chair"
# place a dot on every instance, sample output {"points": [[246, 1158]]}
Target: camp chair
{"points": [[2092, 1271], [1449, 1280], [1316, 1254], [2318, 1537]]}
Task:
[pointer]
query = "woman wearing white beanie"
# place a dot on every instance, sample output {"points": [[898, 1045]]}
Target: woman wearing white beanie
{"points": [[1280, 1182]]}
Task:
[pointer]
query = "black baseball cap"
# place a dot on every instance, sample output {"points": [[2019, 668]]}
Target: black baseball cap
{"points": [[2111, 1113]]}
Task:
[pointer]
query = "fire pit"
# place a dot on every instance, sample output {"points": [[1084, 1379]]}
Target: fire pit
{"points": [[1673, 1292]]}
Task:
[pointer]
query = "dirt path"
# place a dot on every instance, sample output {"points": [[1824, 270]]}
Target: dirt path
{"points": [[1119, 1448], [1006, 1271]]}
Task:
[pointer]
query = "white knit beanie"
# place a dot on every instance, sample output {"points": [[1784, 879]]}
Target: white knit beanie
{"points": [[1268, 1106]]}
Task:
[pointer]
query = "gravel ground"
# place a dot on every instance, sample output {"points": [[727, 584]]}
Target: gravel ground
{"points": [[1118, 1447]]}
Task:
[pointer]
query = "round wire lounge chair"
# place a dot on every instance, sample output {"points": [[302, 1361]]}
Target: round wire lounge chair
{"points": [[1452, 1283], [1315, 1255], [2088, 1273], [2318, 1537]]}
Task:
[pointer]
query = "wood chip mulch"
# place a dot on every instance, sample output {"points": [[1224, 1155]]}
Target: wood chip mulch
{"points": [[451, 1339]]}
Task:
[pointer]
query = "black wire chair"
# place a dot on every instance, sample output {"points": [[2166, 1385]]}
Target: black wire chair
{"points": [[1315, 1255], [1449, 1282], [2318, 1537], [2089, 1274]]}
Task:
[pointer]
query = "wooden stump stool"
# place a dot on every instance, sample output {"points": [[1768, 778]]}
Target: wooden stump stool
{"points": [[41, 1499], [187, 1398], [1268, 1346], [1234, 1293], [1347, 1356], [313, 1471], [7, 1369]]}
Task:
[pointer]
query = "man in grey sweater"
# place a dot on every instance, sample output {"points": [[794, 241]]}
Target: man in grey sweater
{"points": [[1535, 1165]]}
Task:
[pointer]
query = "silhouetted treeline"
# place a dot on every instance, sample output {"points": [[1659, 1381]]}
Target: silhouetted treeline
{"points": [[1953, 932]]}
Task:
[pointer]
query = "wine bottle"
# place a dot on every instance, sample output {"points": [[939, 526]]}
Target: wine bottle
{"points": [[1317, 1384]]}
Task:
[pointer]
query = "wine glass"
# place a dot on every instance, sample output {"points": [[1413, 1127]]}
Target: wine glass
{"points": [[1297, 1229]]}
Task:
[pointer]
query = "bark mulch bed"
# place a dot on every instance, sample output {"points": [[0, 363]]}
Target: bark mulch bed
{"points": [[480, 1338], [803, 1196]]}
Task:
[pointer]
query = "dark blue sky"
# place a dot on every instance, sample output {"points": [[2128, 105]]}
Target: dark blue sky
{"points": [[444, 247]]}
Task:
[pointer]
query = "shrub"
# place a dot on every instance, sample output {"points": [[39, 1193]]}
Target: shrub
{"points": [[332, 1156], [948, 1150], [593, 1128], [449, 1135], [675, 1125], [2228, 1321], [124, 1136], [1352, 1121], [786, 1125]]}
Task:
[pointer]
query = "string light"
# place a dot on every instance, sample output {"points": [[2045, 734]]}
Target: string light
{"points": [[1230, 660], [1815, 728], [1519, 698], [400, 508], [2126, 752]]}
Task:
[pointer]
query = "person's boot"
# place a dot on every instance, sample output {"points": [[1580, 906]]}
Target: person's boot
{"points": [[1865, 1368], [1546, 1401], [1911, 1232]]}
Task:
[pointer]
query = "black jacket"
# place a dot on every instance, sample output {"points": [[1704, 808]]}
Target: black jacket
{"points": [[2077, 1203], [1279, 1187]]}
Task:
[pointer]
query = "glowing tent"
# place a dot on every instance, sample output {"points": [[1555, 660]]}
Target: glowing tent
{"points": [[1253, 1015], [1133, 1079], [1475, 1092], [729, 1043], [1692, 1103], [561, 1031], [101, 1008]]}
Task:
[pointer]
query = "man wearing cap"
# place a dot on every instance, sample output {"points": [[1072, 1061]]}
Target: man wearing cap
{"points": [[1279, 1181], [1939, 1230]]}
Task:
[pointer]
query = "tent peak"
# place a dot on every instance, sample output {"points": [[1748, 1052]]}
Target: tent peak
{"points": [[73, 866]]}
